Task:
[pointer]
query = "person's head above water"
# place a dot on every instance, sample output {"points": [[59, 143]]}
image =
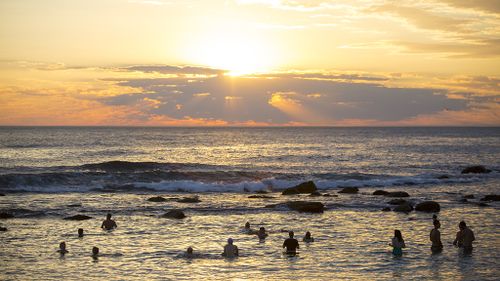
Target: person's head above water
{"points": [[62, 246], [262, 229], [436, 224], [189, 250], [290, 233], [398, 235], [434, 217], [462, 225], [230, 241], [247, 225], [80, 232], [108, 216], [308, 234], [95, 251]]}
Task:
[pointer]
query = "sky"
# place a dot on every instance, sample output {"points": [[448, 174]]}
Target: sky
{"points": [[250, 63]]}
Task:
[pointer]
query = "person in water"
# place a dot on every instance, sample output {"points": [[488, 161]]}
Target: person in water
{"points": [[108, 223], [435, 237], [464, 238], [230, 250], [62, 248], [189, 252], [247, 225], [95, 252], [80, 232], [308, 237], [291, 244], [397, 243], [262, 233]]}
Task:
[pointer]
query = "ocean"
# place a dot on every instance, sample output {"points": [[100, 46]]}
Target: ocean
{"points": [[49, 173]]}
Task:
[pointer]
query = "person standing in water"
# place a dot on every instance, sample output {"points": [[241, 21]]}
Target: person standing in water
{"points": [[230, 250], [435, 237], [95, 253], [62, 249], [308, 238], [397, 243], [262, 233], [108, 223], [464, 238], [291, 244]]}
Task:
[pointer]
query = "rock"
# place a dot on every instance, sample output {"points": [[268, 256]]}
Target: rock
{"points": [[1, 194], [3, 228], [305, 187], [491, 197], [330, 195], [174, 214], [270, 206], [463, 200], [428, 206], [442, 177], [398, 194], [478, 169], [260, 197], [74, 205], [380, 192], [349, 190], [306, 206], [386, 209], [189, 200], [405, 207], [469, 196], [397, 202], [78, 218], [261, 192], [157, 199], [315, 194], [482, 204], [6, 215]]}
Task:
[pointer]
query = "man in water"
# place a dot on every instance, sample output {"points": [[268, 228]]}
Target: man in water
{"points": [[435, 237], [108, 224], [62, 248], [95, 253], [80, 232], [230, 250], [464, 238], [291, 244], [262, 233]]}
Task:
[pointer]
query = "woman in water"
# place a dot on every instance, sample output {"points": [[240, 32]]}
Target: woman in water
{"points": [[307, 237], [397, 243]]}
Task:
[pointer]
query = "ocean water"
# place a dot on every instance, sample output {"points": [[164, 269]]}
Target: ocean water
{"points": [[48, 173]]}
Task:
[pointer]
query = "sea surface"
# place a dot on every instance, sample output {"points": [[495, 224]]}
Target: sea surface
{"points": [[49, 173]]}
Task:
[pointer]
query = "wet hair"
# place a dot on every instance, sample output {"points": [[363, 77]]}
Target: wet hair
{"points": [[80, 232], [262, 228], [230, 241], [436, 222], [108, 216], [247, 225], [95, 251], [290, 233], [308, 234], [398, 235], [462, 224], [189, 250], [62, 245]]}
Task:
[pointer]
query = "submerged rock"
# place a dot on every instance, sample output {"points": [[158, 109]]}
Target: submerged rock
{"points": [[330, 195], [3, 228], [305, 187], [397, 202], [482, 204], [491, 197], [261, 192], [428, 206], [74, 205], [442, 177], [157, 199], [349, 190], [386, 209], [469, 196], [306, 206], [260, 197], [315, 194], [174, 214], [380, 192], [78, 218], [398, 194], [4, 215], [478, 169], [189, 200], [463, 200], [1, 194], [405, 207]]}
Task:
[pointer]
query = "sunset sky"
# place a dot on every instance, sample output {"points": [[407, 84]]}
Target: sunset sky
{"points": [[250, 62]]}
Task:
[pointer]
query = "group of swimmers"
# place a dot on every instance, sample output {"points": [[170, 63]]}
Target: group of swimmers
{"points": [[464, 238]]}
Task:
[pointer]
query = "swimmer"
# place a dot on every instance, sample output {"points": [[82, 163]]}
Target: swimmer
{"points": [[230, 250], [95, 252], [62, 248], [247, 225], [464, 238], [108, 224], [307, 237], [435, 237], [262, 233], [291, 244], [397, 243], [80, 232]]}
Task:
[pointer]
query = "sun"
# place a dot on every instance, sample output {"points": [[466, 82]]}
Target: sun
{"points": [[239, 54]]}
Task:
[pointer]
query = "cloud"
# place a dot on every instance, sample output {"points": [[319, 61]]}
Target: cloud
{"points": [[483, 5], [177, 70], [482, 49]]}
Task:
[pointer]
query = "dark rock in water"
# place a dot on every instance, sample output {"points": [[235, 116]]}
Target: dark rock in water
{"points": [[463, 200], [3, 228], [315, 194], [330, 195], [386, 209], [428, 206], [349, 190], [122, 188], [260, 197], [398, 194], [482, 204], [78, 218], [469, 196], [74, 205], [380, 192], [305, 206], [270, 206], [261, 192], [479, 169], [157, 199], [491, 197], [405, 207], [397, 201], [305, 187], [189, 200], [6, 215], [442, 177], [174, 214], [1, 194]]}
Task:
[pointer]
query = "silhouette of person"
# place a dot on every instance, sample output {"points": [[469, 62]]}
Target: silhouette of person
{"points": [[108, 223], [230, 250], [435, 237], [308, 237], [291, 244], [62, 248], [464, 238], [80, 232], [397, 243], [262, 233]]}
